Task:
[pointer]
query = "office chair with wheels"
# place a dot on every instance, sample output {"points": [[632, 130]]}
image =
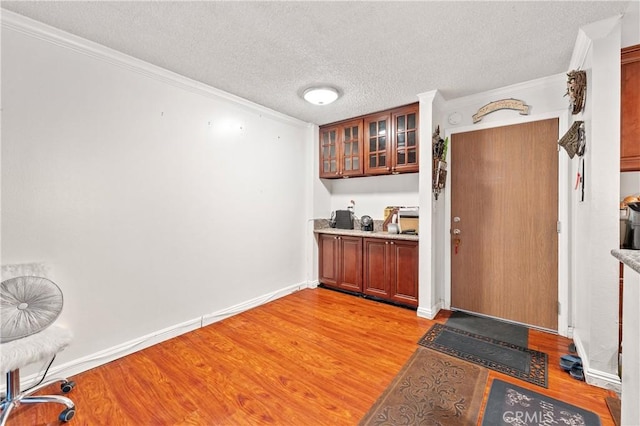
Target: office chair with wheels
{"points": [[28, 307]]}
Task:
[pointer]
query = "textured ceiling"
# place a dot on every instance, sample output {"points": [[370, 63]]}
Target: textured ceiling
{"points": [[379, 54]]}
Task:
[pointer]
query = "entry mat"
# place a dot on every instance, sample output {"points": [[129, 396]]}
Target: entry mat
{"points": [[496, 329], [431, 389], [509, 404], [516, 361]]}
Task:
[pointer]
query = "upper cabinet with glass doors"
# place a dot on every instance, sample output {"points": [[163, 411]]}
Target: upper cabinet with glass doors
{"points": [[405, 140], [341, 150], [391, 141], [389, 144]]}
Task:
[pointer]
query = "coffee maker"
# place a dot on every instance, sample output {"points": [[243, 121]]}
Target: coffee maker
{"points": [[632, 233], [366, 223]]}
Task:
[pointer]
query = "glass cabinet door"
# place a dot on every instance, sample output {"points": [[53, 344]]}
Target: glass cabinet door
{"points": [[377, 144], [329, 152], [405, 123], [351, 148]]}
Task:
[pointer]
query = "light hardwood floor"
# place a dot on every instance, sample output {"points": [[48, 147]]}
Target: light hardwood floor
{"points": [[315, 357]]}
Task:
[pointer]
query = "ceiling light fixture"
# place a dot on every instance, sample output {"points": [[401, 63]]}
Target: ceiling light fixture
{"points": [[320, 95]]}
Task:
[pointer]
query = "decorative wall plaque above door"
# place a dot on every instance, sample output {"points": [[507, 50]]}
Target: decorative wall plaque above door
{"points": [[514, 104]]}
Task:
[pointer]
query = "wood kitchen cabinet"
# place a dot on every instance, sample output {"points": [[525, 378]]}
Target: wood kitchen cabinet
{"points": [[341, 150], [377, 137], [340, 261], [391, 141], [390, 144], [405, 140], [630, 109], [391, 270]]}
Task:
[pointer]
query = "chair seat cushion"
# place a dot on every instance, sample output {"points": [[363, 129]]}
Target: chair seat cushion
{"points": [[27, 306], [35, 348]]}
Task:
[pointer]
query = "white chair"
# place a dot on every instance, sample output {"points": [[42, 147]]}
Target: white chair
{"points": [[28, 307]]}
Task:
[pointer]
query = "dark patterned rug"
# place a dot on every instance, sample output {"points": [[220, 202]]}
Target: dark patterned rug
{"points": [[509, 404], [516, 361], [490, 327], [431, 389]]}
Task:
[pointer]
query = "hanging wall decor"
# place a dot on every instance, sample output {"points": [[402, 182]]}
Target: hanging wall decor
{"points": [[577, 90], [573, 140], [514, 104], [439, 175]]}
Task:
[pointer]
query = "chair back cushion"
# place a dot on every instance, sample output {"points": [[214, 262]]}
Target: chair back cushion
{"points": [[27, 306]]}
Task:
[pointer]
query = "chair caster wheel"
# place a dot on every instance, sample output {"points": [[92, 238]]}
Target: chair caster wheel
{"points": [[68, 386], [67, 414]]}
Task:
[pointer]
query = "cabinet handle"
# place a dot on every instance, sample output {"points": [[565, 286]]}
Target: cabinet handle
{"points": [[386, 242]]}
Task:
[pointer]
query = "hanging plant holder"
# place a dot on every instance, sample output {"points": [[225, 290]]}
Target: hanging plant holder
{"points": [[577, 90], [439, 177]]}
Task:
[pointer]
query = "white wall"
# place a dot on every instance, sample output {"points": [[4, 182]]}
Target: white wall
{"points": [[155, 201], [629, 184], [596, 219], [373, 193], [631, 25]]}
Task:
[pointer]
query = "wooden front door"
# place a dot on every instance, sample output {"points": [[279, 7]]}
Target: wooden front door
{"points": [[504, 204]]}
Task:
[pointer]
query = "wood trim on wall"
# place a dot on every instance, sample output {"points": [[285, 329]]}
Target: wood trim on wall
{"points": [[630, 54], [629, 163]]}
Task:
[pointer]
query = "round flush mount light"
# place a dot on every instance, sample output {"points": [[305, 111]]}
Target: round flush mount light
{"points": [[320, 95]]}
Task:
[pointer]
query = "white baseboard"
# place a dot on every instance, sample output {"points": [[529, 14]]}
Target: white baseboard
{"points": [[429, 313], [105, 356], [592, 376], [249, 304]]}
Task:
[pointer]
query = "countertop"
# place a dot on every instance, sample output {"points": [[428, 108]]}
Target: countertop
{"points": [[368, 234], [631, 258]]}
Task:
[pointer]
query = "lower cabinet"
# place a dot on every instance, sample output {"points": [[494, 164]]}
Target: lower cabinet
{"points": [[391, 270], [382, 268], [341, 261]]}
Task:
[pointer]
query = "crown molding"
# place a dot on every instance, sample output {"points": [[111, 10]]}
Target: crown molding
{"points": [[27, 26], [504, 92], [586, 35]]}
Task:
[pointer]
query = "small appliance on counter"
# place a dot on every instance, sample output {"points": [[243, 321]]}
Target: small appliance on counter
{"points": [[341, 219], [408, 220], [366, 223], [632, 232]]}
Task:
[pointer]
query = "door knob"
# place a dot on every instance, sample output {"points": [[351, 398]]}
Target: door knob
{"points": [[457, 231], [456, 219]]}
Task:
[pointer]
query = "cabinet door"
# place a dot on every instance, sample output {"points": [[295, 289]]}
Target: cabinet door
{"points": [[351, 149], [404, 282], [376, 268], [350, 263], [329, 152], [405, 132], [630, 109], [377, 142], [329, 266]]}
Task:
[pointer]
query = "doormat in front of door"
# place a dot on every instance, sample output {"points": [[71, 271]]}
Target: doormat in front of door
{"points": [[522, 363], [490, 327], [509, 404]]}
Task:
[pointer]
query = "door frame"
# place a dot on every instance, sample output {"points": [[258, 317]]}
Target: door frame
{"points": [[564, 196]]}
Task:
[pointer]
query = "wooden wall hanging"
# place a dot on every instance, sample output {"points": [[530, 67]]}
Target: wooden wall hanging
{"points": [[439, 173], [514, 104], [577, 90], [574, 140]]}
